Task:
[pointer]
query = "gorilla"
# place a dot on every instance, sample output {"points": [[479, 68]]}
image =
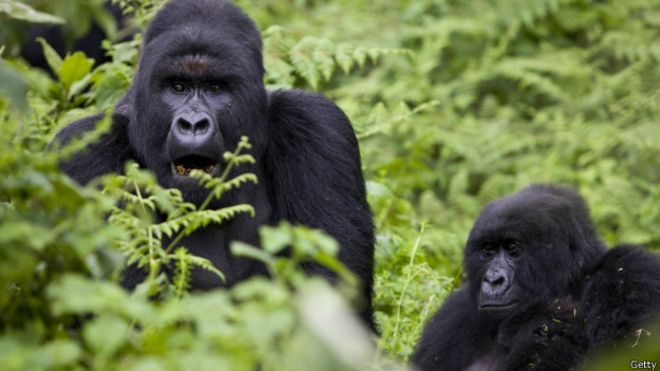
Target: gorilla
{"points": [[198, 89], [542, 291]]}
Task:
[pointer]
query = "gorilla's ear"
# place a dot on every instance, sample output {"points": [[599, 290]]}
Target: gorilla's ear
{"points": [[583, 239]]}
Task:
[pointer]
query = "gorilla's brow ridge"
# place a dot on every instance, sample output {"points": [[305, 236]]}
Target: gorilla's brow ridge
{"points": [[198, 67], [195, 65]]}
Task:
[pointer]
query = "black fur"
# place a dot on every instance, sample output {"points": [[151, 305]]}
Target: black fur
{"points": [[570, 295], [308, 160]]}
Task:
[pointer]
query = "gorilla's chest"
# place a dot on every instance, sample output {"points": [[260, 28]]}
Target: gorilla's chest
{"points": [[214, 241]]}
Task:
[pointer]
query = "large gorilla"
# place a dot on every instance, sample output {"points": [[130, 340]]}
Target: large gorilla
{"points": [[198, 89], [542, 290]]}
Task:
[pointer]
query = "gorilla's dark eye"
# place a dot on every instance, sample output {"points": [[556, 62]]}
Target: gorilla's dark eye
{"points": [[178, 87], [512, 248], [214, 88], [487, 250]]}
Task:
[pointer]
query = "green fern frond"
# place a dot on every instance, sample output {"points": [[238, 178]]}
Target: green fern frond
{"points": [[515, 13], [190, 222], [544, 75], [382, 119], [205, 264], [529, 80], [312, 59], [219, 187], [131, 198], [142, 198], [241, 159], [631, 46], [182, 272]]}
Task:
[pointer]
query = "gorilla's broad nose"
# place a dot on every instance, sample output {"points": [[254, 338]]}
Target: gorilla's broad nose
{"points": [[495, 282], [194, 130], [192, 124]]}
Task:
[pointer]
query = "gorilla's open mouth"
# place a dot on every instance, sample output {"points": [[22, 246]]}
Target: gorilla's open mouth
{"points": [[493, 307], [184, 165]]}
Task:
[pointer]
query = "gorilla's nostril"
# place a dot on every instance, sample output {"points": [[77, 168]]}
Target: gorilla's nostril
{"points": [[498, 281], [184, 126], [201, 126]]}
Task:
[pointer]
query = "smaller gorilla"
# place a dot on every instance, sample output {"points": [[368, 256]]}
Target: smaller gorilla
{"points": [[542, 290]]}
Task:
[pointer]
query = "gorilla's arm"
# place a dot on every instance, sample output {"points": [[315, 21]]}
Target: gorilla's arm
{"points": [[451, 339], [549, 338], [313, 167], [622, 294], [107, 155]]}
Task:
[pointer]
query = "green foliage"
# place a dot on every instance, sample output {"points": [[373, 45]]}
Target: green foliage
{"points": [[17, 10], [48, 226], [641, 348], [141, 198], [75, 18], [455, 103], [312, 59], [13, 86], [266, 324], [142, 10]]}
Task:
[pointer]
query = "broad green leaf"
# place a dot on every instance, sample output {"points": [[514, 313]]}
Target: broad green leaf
{"points": [[243, 249], [275, 240], [75, 68], [13, 86], [106, 334], [63, 352], [52, 58], [17, 10]]}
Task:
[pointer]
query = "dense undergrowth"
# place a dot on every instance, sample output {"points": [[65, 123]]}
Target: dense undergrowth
{"points": [[455, 103]]}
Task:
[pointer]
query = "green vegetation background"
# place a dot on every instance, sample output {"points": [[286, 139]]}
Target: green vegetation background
{"points": [[455, 103]]}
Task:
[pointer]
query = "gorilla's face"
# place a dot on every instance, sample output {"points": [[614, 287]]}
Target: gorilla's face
{"points": [[198, 90], [498, 289], [519, 254], [195, 141]]}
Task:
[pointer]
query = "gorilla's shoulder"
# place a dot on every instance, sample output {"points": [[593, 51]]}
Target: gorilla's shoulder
{"points": [[311, 138], [630, 256], [104, 155], [78, 128], [622, 293], [632, 264], [293, 112], [118, 131], [313, 154]]}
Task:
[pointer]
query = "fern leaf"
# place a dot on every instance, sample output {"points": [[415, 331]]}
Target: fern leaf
{"points": [[181, 280]]}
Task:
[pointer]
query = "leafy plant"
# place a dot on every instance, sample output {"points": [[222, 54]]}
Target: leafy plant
{"points": [[146, 246], [454, 103], [17, 10]]}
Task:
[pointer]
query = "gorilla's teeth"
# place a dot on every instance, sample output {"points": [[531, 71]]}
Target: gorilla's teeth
{"points": [[184, 171], [181, 170]]}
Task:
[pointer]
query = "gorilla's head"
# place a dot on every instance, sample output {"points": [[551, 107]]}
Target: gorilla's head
{"points": [[198, 89], [529, 248]]}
